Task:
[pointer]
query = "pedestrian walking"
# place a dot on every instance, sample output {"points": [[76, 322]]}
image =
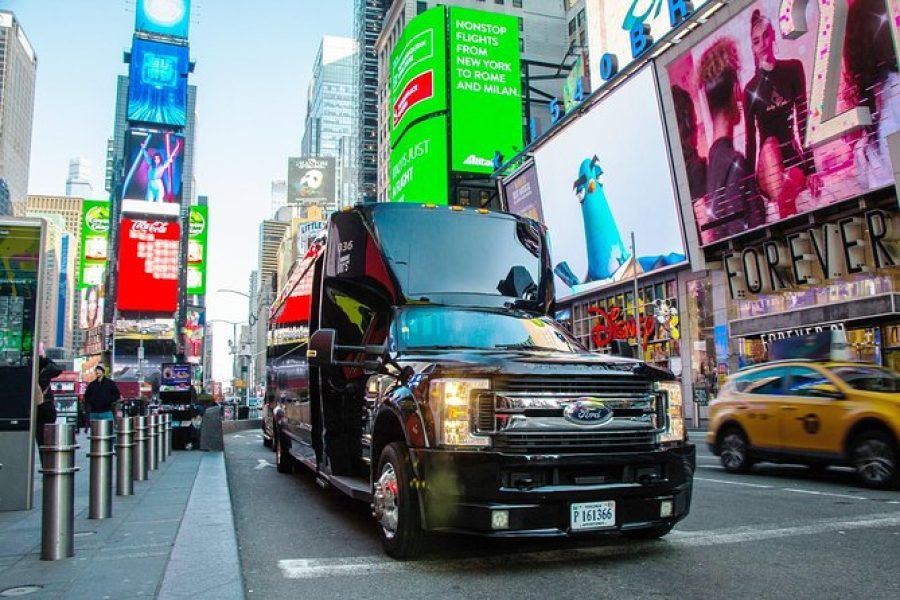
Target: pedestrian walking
{"points": [[46, 408], [100, 396]]}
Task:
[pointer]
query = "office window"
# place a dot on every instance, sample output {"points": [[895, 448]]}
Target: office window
{"points": [[421, 7], [498, 1], [581, 18], [572, 27], [517, 3], [521, 45]]}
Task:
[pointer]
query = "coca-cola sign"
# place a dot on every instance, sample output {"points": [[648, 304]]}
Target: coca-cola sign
{"points": [[150, 226], [149, 260]]}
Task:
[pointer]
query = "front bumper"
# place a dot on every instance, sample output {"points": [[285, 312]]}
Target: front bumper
{"points": [[459, 491]]}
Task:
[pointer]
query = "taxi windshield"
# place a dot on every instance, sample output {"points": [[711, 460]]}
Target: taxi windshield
{"points": [[868, 379], [433, 328]]}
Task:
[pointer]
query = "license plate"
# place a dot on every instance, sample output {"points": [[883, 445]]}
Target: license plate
{"points": [[592, 515]]}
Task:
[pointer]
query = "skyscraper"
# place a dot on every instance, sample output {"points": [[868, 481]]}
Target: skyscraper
{"points": [[78, 183], [367, 21], [330, 112], [18, 71], [279, 194]]}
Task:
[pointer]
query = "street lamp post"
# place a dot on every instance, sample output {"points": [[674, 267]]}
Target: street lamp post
{"points": [[234, 341]]}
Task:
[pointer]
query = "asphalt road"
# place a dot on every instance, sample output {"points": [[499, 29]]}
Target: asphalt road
{"points": [[779, 532]]}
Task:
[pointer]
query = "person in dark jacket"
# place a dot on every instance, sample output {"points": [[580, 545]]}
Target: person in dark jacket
{"points": [[46, 410], [100, 396]]}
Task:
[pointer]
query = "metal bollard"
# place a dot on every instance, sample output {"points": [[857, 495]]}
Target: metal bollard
{"points": [[168, 444], [139, 458], [58, 513], [100, 497], [152, 443], [160, 439], [124, 447]]}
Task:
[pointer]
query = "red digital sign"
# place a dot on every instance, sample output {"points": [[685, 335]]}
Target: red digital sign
{"points": [[148, 266]]}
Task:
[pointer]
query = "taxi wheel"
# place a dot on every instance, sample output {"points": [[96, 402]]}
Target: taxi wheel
{"points": [[875, 457], [734, 451], [395, 504]]}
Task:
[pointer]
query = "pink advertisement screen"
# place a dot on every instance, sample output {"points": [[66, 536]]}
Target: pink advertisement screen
{"points": [[754, 112]]}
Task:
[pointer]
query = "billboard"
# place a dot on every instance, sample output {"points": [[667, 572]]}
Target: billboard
{"points": [[311, 179], [418, 169], [198, 232], [603, 177], [754, 154], [148, 266], [522, 194], [418, 71], [94, 243], [91, 308], [154, 164], [611, 25], [163, 17], [157, 83], [175, 377], [145, 329], [194, 331], [485, 83]]}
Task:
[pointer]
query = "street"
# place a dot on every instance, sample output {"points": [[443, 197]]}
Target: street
{"points": [[781, 531]]}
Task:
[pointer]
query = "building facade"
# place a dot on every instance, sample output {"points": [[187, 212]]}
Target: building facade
{"points": [[78, 183], [278, 195], [542, 39], [18, 73], [367, 23], [331, 120]]}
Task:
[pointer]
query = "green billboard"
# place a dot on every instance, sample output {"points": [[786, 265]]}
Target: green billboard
{"points": [[419, 164], [485, 85], [418, 79], [94, 243], [198, 230]]}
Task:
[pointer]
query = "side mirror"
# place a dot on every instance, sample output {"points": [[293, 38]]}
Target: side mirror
{"points": [[320, 351], [622, 348], [825, 390]]}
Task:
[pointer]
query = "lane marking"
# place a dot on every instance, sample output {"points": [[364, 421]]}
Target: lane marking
{"points": [[313, 568], [739, 483], [815, 493], [262, 464]]}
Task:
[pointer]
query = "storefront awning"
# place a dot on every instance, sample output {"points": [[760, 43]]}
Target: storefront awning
{"points": [[878, 307]]}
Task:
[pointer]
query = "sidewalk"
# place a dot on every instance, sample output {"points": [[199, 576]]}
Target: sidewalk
{"points": [[174, 538]]}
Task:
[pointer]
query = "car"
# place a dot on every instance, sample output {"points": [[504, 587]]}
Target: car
{"points": [[817, 413]]}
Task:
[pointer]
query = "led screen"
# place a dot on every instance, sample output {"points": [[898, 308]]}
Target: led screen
{"points": [[197, 249], [157, 86], [194, 331], [92, 303], [418, 170], [154, 163], [94, 243], [311, 179], [485, 86], [603, 177], [418, 78], [163, 17], [175, 377], [148, 266], [754, 153]]}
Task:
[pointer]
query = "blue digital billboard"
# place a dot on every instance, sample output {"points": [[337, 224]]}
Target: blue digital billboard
{"points": [[157, 89], [164, 17]]}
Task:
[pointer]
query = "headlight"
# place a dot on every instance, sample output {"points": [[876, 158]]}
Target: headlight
{"points": [[451, 403], [674, 412]]}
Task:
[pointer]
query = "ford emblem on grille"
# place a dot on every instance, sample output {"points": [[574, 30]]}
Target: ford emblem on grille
{"points": [[587, 411]]}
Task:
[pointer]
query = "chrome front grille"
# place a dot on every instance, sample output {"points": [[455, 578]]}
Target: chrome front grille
{"points": [[574, 442], [600, 385]]}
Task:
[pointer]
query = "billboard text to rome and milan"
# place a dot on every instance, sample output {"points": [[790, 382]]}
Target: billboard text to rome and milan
{"points": [[148, 266], [774, 119]]}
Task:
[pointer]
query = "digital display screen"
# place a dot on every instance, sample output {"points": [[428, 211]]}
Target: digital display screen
{"points": [[175, 377], [164, 17], [94, 242], [20, 265], [148, 266], [311, 179], [157, 88], [154, 164], [419, 164], [197, 250]]}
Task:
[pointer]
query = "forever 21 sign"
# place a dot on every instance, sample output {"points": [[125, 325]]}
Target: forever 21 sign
{"points": [[831, 251]]}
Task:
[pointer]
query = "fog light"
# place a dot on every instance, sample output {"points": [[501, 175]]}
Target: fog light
{"points": [[499, 519], [666, 508]]}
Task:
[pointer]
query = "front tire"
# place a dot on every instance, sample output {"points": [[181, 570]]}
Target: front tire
{"points": [[734, 451], [874, 455], [396, 505], [648, 533]]}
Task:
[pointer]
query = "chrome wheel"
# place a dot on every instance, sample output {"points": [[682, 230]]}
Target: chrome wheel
{"points": [[874, 461], [386, 501], [733, 452]]}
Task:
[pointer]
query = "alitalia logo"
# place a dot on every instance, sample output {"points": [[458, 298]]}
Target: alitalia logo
{"points": [[477, 161]]}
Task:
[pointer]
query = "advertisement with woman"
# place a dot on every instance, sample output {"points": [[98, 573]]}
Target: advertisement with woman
{"points": [[154, 167], [742, 98]]}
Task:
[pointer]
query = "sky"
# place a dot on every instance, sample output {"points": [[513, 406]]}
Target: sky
{"points": [[254, 61]]}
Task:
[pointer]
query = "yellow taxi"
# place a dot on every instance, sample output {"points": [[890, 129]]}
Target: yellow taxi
{"points": [[810, 412]]}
